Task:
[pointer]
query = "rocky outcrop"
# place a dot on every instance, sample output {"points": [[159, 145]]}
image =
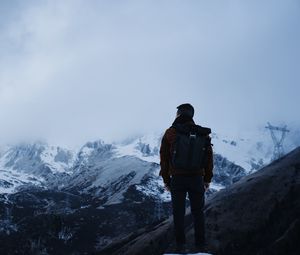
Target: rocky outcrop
{"points": [[260, 213]]}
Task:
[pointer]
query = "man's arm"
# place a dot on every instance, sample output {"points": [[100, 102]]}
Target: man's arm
{"points": [[164, 160], [208, 174]]}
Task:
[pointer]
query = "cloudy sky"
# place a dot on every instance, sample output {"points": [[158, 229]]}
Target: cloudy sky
{"points": [[78, 70]]}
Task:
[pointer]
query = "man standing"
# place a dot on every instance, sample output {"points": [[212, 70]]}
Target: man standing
{"points": [[186, 160]]}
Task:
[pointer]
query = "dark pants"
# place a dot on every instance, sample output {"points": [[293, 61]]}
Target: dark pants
{"points": [[194, 186]]}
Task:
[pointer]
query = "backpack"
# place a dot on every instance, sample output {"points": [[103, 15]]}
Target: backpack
{"points": [[190, 148]]}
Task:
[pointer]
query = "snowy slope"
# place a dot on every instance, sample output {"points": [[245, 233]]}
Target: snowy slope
{"points": [[32, 164], [144, 147], [249, 153], [58, 159], [32, 156], [109, 179], [10, 181]]}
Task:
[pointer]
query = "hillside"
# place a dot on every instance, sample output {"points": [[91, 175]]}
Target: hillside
{"points": [[257, 215]]}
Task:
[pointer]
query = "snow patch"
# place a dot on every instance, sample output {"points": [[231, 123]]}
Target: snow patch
{"points": [[145, 147], [11, 180], [216, 186], [250, 152], [49, 156]]}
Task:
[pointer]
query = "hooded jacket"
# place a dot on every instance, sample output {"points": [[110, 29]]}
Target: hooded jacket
{"points": [[166, 148]]}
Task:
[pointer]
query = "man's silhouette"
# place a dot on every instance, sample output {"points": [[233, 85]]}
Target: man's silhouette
{"points": [[194, 180]]}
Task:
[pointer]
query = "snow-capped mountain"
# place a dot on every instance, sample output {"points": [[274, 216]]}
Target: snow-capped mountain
{"points": [[11, 180], [111, 189], [33, 164], [97, 166], [109, 179], [44, 165], [30, 158], [145, 147]]}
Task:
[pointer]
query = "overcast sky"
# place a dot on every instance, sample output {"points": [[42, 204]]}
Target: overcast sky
{"points": [[72, 71]]}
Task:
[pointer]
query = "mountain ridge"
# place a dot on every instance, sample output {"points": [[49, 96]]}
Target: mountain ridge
{"points": [[45, 165]]}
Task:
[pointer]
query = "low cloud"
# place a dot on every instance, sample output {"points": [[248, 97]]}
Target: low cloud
{"points": [[73, 71]]}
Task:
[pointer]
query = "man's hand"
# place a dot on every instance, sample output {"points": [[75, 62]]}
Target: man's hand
{"points": [[167, 187], [206, 185]]}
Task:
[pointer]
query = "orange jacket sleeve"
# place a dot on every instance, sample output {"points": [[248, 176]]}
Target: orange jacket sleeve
{"points": [[165, 159]]}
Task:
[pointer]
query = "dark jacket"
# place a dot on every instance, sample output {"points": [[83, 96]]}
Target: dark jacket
{"points": [[167, 143]]}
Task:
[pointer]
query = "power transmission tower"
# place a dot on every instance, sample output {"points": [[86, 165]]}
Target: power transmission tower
{"points": [[278, 141]]}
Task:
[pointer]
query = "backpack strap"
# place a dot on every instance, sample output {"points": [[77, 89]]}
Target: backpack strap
{"points": [[191, 128], [203, 130]]}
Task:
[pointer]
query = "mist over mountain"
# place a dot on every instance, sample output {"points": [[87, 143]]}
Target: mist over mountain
{"points": [[73, 72]]}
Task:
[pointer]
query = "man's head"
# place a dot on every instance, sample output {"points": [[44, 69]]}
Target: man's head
{"points": [[185, 110]]}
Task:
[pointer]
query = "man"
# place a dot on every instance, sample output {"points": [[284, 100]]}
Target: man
{"points": [[185, 177]]}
